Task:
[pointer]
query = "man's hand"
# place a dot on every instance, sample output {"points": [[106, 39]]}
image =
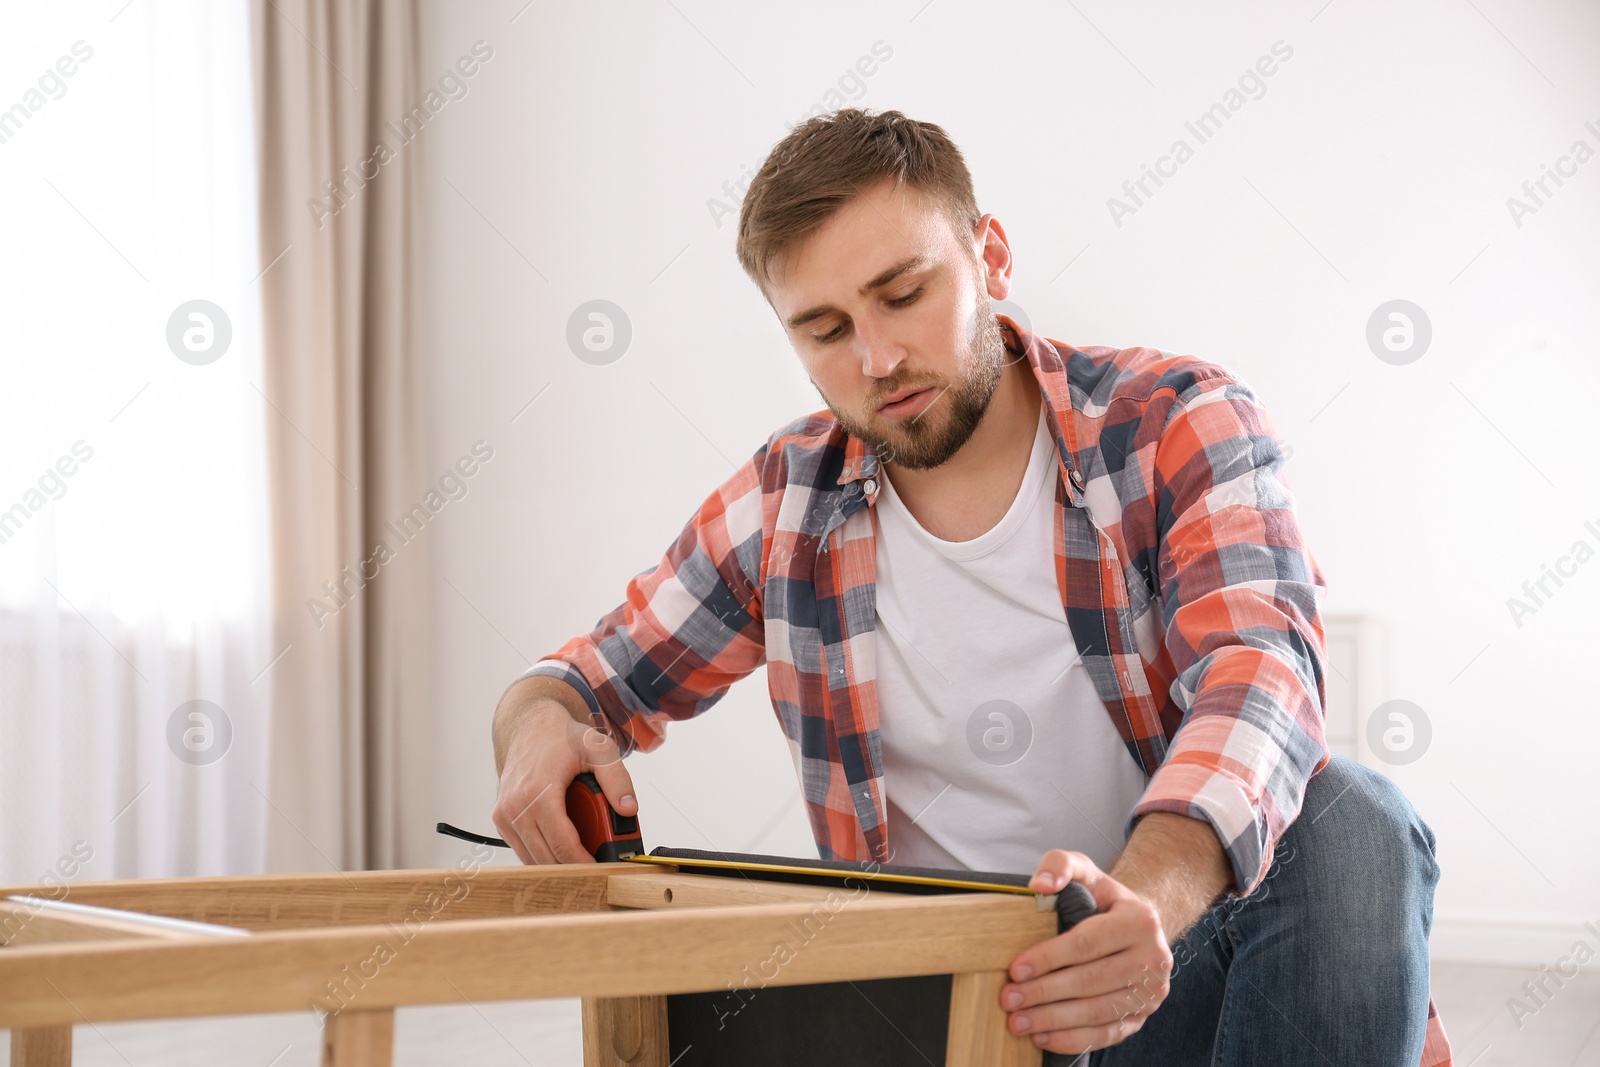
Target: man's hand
{"points": [[1096, 984], [541, 746]]}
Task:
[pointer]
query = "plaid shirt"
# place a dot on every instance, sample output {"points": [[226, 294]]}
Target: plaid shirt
{"points": [[1174, 532]]}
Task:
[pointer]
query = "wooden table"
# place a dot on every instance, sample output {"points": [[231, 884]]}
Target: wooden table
{"points": [[622, 936]]}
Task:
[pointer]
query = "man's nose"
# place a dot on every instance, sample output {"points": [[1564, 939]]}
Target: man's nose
{"points": [[880, 354]]}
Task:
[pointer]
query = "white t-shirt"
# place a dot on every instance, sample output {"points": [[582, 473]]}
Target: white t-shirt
{"points": [[996, 747]]}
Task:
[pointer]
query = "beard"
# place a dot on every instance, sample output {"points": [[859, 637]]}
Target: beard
{"points": [[937, 432]]}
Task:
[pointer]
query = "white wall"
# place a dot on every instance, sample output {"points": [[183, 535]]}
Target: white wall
{"points": [[1376, 165]]}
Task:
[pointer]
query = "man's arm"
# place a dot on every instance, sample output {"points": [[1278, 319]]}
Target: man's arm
{"points": [[1241, 611], [1240, 598], [523, 700], [1177, 864]]}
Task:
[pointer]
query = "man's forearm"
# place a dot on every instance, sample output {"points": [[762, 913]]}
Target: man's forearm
{"points": [[1177, 864], [528, 696]]}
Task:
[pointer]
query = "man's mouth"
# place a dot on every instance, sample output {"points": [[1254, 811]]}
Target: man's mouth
{"points": [[907, 403]]}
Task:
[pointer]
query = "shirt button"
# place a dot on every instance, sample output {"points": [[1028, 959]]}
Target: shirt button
{"points": [[1077, 478], [871, 486]]}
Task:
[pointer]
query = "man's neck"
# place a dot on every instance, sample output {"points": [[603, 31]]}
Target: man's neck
{"points": [[967, 494]]}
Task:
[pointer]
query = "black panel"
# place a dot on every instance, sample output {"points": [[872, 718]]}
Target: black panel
{"points": [[885, 1022], [882, 1022]]}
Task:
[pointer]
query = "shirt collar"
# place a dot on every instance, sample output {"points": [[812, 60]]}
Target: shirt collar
{"points": [[861, 459]]}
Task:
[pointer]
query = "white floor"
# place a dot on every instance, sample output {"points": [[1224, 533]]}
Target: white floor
{"points": [[1563, 1032], [1486, 1032]]}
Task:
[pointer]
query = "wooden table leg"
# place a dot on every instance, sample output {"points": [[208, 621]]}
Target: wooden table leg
{"points": [[625, 1032], [978, 1033], [46, 1046], [358, 1039]]}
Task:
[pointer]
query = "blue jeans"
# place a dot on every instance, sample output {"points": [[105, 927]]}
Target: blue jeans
{"points": [[1325, 963]]}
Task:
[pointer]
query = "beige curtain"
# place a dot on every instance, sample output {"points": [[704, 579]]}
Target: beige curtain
{"points": [[341, 380]]}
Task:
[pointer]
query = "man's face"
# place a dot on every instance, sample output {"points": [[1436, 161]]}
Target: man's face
{"points": [[882, 300]]}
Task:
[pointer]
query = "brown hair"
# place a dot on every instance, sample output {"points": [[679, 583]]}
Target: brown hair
{"points": [[831, 159]]}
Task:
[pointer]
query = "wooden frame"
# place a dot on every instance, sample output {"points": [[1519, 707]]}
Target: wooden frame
{"points": [[622, 936]]}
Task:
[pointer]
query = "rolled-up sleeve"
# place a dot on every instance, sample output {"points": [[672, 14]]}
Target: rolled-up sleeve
{"points": [[687, 629], [1241, 596]]}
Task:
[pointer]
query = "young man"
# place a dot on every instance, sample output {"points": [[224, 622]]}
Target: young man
{"points": [[1022, 606]]}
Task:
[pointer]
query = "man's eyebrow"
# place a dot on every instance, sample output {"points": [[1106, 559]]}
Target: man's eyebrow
{"points": [[915, 262]]}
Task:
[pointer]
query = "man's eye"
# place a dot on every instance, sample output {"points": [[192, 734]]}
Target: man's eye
{"points": [[899, 302]]}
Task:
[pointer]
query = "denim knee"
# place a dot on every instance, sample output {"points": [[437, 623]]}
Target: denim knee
{"points": [[1357, 819]]}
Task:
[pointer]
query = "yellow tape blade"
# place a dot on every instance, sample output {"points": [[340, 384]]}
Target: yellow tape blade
{"points": [[879, 876]]}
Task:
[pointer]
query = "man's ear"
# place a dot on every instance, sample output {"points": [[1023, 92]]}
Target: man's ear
{"points": [[983, 242]]}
